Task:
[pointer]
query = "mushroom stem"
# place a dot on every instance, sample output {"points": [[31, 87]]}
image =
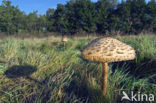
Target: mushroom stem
{"points": [[104, 78], [64, 44]]}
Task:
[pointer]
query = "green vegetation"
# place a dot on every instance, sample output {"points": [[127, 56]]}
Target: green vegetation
{"points": [[42, 70], [103, 16]]}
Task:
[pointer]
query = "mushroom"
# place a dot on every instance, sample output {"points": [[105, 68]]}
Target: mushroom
{"points": [[64, 40], [106, 50]]}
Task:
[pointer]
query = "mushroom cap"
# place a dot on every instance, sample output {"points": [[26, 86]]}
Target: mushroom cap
{"points": [[64, 39], [108, 50]]}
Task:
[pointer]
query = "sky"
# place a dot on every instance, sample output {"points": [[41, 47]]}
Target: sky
{"points": [[40, 5]]}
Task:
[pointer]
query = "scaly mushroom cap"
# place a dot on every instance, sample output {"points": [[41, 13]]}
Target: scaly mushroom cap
{"points": [[108, 50]]}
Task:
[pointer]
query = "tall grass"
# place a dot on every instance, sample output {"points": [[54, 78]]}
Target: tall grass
{"points": [[63, 76]]}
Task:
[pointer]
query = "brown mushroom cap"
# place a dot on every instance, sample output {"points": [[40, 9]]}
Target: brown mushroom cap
{"points": [[108, 50]]}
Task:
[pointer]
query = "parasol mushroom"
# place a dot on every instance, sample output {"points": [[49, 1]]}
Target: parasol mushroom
{"points": [[64, 40], [106, 50]]}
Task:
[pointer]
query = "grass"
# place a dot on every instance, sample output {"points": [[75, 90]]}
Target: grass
{"points": [[42, 70]]}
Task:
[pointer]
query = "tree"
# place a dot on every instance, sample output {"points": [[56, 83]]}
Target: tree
{"points": [[6, 17], [129, 16], [20, 22], [114, 21], [11, 18], [61, 21], [109, 4], [138, 14], [32, 22], [71, 15], [102, 14], [151, 15], [41, 23], [124, 13], [132, 15], [86, 14], [50, 20]]}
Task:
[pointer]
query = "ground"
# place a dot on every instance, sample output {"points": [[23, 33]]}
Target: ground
{"points": [[43, 70]]}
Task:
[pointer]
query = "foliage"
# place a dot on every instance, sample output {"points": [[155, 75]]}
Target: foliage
{"points": [[128, 16]]}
